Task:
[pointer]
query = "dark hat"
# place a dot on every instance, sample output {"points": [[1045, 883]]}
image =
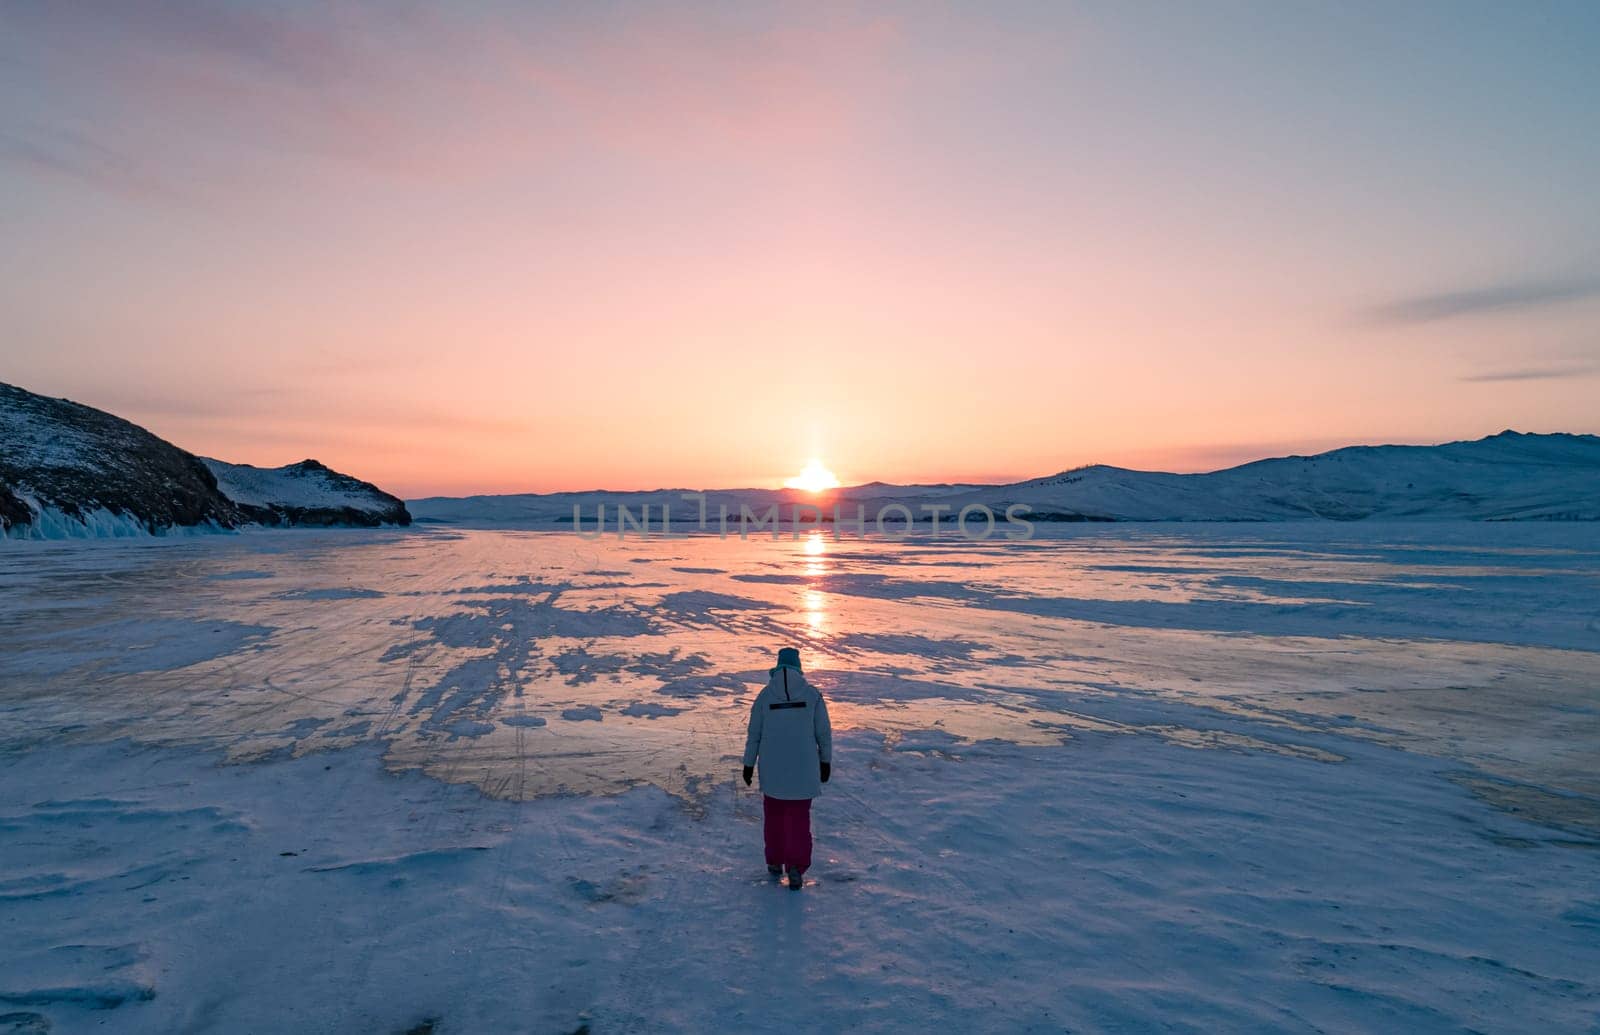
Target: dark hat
{"points": [[789, 657]]}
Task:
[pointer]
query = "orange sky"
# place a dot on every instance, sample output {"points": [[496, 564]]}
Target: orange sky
{"points": [[489, 250]]}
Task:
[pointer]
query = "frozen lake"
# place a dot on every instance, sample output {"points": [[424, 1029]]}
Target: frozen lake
{"points": [[1266, 748], [532, 663]]}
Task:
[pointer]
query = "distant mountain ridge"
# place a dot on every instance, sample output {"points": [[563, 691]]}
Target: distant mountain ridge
{"points": [[70, 471], [1505, 477]]}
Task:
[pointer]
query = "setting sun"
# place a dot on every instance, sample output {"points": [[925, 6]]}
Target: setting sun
{"points": [[1190, 366], [814, 478]]}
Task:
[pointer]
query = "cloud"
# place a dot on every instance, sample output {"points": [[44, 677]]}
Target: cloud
{"points": [[279, 41], [63, 153], [1506, 297], [202, 91], [1533, 374]]}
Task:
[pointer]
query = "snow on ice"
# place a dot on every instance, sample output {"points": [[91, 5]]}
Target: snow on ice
{"points": [[1304, 776]]}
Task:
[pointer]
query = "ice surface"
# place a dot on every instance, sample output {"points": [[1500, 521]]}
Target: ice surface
{"points": [[1277, 776], [1473, 640]]}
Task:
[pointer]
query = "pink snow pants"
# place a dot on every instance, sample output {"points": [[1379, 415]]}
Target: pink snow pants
{"points": [[787, 826]]}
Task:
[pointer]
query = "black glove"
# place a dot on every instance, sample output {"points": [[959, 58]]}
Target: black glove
{"points": [[827, 770], [749, 771]]}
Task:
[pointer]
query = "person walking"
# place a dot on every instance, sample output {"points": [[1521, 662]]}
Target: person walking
{"points": [[791, 739]]}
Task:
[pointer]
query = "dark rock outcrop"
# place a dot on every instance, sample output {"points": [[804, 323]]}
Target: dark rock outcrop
{"points": [[71, 470], [61, 458]]}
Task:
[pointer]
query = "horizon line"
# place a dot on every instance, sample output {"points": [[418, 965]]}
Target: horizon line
{"points": [[999, 484]]}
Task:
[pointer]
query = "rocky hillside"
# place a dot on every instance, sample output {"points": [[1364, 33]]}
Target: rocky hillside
{"points": [[306, 493], [69, 470], [65, 467]]}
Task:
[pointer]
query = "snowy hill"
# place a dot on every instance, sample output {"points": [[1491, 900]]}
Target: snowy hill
{"points": [[1504, 477], [306, 493], [72, 471]]}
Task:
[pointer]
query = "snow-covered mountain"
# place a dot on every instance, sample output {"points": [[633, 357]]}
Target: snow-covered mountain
{"points": [[1504, 477], [70, 471], [306, 493], [1509, 476]]}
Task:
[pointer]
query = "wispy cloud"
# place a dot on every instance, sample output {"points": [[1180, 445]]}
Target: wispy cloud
{"points": [[279, 41], [1494, 298], [423, 91], [1534, 374], [63, 153]]}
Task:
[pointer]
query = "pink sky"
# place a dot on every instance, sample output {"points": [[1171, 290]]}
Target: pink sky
{"points": [[484, 250]]}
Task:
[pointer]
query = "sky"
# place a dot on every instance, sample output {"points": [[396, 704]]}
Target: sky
{"points": [[527, 247]]}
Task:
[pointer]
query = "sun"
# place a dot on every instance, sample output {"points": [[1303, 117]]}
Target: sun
{"points": [[814, 478]]}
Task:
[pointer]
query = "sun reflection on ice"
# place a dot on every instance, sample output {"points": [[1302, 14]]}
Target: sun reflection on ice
{"points": [[815, 601], [816, 607]]}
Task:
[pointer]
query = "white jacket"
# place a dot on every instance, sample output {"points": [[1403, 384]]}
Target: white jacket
{"points": [[790, 734]]}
